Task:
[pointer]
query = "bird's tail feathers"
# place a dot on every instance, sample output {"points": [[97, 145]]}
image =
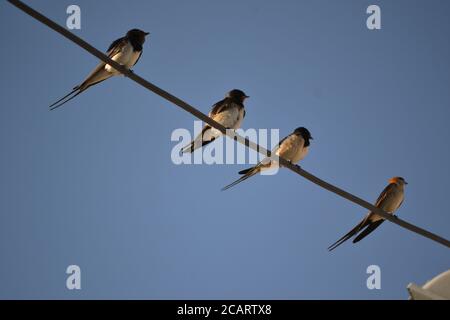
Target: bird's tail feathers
{"points": [[247, 173], [205, 137], [76, 91], [350, 234], [98, 75], [194, 145], [372, 226]]}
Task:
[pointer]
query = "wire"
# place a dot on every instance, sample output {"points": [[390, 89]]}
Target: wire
{"points": [[166, 95]]}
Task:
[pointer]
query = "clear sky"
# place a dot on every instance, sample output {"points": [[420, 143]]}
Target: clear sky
{"points": [[93, 184]]}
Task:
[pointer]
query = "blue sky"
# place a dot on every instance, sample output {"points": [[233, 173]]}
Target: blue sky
{"points": [[93, 184]]}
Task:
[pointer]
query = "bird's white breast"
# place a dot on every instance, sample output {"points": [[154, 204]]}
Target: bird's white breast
{"points": [[292, 149], [240, 117], [126, 57], [230, 118]]}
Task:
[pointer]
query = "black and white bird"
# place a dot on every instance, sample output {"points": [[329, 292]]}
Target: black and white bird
{"points": [[293, 148], [229, 112], [126, 51], [389, 201]]}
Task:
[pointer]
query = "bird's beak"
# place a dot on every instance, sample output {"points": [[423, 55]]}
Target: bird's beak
{"points": [[246, 97], [146, 33], [311, 138], [406, 182]]}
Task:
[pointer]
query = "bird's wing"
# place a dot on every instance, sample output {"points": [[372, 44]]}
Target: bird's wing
{"points": [[284, 140], [208, 135], [281, 141], [289, 147], [99, 73], [389, 188], [400, 204], [382, 197], [218, 107], [116, 46], [223, 105], [278, 146]]}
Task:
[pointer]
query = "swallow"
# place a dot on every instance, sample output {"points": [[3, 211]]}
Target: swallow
{"points": [[292, 148], [229, 112], [389, 201], [126, 51]]}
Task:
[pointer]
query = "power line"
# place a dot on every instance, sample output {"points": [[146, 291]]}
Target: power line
{"points": [[166, 95]]}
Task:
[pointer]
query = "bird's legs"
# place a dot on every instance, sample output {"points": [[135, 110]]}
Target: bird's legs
{"points": [[295, 165]]}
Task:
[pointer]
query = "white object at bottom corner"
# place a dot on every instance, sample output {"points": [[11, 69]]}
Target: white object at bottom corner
{"points": [[437, 288]]}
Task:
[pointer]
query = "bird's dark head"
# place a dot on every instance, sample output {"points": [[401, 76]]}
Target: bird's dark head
{"points": [[237, 95], [304, 133], [138, 35]]}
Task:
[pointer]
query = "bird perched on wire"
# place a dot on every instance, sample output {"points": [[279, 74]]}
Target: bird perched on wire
{"points": [[125, 51], [229, 112], [389, 201], [292, 148]]}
